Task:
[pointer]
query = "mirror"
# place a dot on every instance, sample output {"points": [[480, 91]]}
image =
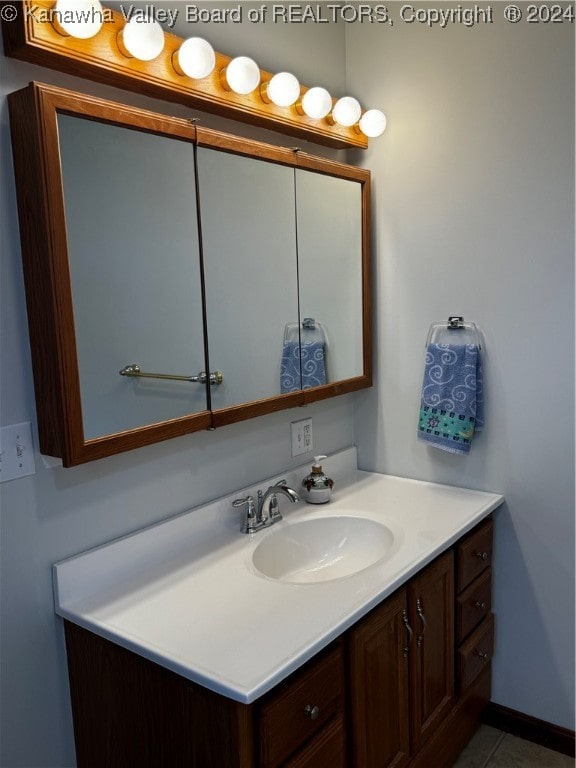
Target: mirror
{"points": [[329, 273], [249, 243], [280, 243], [149, 241], [133, 252]]}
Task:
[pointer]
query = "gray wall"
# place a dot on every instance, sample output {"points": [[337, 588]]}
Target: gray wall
{"points": [[474, 215], [473, 179]]}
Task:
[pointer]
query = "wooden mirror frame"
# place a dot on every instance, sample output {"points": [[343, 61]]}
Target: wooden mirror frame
{"points": [[34, 130]]}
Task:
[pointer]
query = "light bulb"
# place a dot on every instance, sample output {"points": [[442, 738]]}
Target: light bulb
{"points": [[316, 102], [195, 58], [373, 123], [142, 38], [346, 111], [78, 18], [241, 75], [283, 90]]}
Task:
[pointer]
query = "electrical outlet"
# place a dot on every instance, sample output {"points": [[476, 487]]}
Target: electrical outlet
{"points": [[16, 452], [302, 439]]}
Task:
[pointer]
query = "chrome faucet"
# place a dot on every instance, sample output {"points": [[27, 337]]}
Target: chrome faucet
{"points": [[268, 508], [268, 511]]}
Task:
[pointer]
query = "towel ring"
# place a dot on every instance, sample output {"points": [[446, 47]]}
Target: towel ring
{"points": [[454, 324]]}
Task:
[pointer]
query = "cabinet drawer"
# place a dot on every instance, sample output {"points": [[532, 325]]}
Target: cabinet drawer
{"points": [[473, 604], [327, 749], [476, 653], [301, 707], [474, 554]]}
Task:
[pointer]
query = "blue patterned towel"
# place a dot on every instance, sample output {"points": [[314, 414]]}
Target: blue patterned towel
{"points": [[303, 366], [452, 405]]}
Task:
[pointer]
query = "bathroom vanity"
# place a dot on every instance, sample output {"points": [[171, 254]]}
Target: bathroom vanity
{"points": [[182, 652]]}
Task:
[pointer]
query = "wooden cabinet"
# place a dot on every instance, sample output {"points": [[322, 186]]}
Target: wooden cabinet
{"points": [[379, 697], [402, 669], [419, 663], [474, 554], [132, 713], [431, 614], [476, 652], [475, 622], [473, 604], [405, 686], [327, 750], [136, 254], [298, 711]]}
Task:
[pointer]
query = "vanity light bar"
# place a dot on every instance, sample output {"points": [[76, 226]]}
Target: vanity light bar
{"points": [[160, 64]]}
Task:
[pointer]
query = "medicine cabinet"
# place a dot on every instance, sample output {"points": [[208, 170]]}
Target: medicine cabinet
{"points": [[166, 265]]}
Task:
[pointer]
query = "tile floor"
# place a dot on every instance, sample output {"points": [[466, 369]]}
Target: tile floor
{"points": [[491, 748]]}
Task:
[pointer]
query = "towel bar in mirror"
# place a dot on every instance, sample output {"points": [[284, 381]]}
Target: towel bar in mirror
{"points": [[134, 371]]}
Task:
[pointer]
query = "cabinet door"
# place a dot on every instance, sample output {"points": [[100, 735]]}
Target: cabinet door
{"points": [[431, 601], [327, 750], [249, 245], [111, 252], [134, 265], [330, 233], [379, 686]]}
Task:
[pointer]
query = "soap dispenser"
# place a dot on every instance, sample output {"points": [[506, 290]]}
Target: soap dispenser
{"points": [[318, 486]]}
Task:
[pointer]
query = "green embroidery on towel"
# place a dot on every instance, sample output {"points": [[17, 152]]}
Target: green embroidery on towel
{"points": [[448, 424]]}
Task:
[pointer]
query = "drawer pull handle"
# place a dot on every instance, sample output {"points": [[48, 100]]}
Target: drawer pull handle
{"points": [[483, 655], [409, 632], [420, 612], [312, 711], [482, 555], [481, 605]]}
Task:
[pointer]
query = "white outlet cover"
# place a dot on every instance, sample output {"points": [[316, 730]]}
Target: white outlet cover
{"points": [[302, 437]]}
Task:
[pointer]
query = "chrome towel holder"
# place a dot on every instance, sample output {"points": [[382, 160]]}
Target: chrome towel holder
{"points": [[454, 323]]}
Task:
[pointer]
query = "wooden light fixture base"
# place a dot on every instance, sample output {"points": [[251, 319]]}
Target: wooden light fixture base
{"points": [[32, 37]]}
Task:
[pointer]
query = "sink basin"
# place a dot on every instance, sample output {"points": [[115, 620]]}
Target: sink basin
{"points": [[323, 549]]}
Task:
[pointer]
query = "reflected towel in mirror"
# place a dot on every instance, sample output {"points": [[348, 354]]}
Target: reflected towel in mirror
{"points": [[303, 365]]}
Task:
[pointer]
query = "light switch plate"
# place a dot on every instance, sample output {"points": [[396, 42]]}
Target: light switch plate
{"points": [[16, 452], [302, 439]]}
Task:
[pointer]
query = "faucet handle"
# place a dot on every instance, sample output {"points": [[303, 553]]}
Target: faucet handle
{"points": [[249, 519], [274, 509]]}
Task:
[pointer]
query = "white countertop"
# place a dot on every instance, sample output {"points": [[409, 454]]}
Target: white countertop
{"points": [[184, 593]]}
